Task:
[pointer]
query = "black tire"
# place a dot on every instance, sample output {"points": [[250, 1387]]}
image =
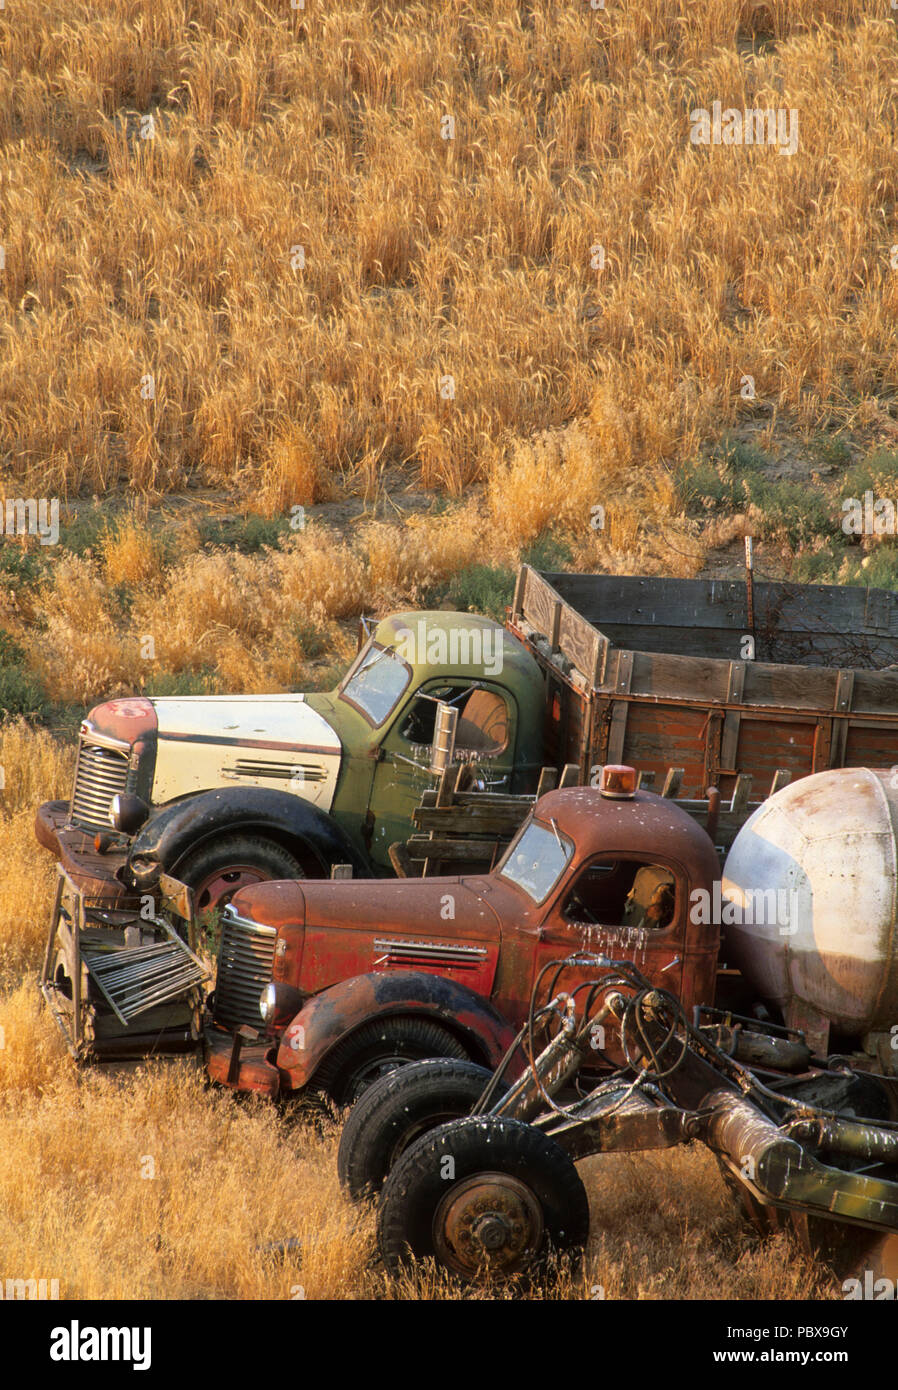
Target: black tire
{"points": [[268, 859], [396, 1111], [378, 1048], [482, 1217]]}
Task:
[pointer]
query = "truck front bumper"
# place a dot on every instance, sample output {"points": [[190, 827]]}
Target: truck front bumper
{"points": [[97, 875], [250, 1070]]}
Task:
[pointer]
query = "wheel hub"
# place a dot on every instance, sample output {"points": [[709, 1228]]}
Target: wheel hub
{"points": [[490, 1219], [217, 890], [492, 1231]]}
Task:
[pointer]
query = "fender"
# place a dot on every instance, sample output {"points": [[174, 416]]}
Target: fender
{"points": [[332, 1015], [175, 830]]}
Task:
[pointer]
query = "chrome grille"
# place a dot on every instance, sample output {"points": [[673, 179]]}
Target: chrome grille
{"points": [[101, 772], [245, 960]]}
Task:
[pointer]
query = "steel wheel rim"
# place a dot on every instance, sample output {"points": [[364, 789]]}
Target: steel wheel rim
{"points": [[490, 1220], [217, 889]]}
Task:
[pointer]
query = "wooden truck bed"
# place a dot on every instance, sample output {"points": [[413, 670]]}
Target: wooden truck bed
{"points": [[651, 672], [462, 830]]}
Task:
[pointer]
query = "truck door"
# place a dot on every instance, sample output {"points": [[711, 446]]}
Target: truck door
{"points": [[627, 908], [485, 737]]}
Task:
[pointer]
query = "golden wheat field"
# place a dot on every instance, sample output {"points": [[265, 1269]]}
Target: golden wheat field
{"points": [[312, 312]]}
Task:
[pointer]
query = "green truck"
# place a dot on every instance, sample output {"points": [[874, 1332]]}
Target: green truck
{"points": [[720, 681], [227, 791]]}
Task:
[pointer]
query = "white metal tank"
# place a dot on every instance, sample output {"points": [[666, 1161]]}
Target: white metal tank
{"points": [[813, 875]]}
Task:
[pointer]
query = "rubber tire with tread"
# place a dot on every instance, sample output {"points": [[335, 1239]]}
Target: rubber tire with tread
{"points": [[415, 1188], [267, 855], [413, 1100], [413, 1039]]}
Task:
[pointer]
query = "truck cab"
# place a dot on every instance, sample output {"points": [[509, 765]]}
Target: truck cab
{"points": [[312, 966], [384, 711], [227, 791]]}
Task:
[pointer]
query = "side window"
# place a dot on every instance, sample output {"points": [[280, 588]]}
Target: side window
{"points": [[416, 725], [483, 724], [483, 720], [622, 893]]}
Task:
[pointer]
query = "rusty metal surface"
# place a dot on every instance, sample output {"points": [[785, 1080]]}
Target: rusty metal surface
{"points": [[125, 719], [117, 983], [348, 945], [621, 1123], [779, 1169], [96, 874], [492, 1219], [779, 1148], [255, 1073], [329, 1017]]}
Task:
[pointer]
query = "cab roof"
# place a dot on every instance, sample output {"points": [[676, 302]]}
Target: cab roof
{"points": [[644, 824], [456, 641]]}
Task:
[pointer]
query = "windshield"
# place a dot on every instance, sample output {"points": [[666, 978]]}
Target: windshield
{"points": [[536, 859], [376, 683]]}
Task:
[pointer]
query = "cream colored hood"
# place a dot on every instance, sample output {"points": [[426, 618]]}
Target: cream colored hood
{"points": [[244, 740]]}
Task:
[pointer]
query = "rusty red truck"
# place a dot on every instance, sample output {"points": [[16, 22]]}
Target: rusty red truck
{"points": [[352, 977], [327, 985]]}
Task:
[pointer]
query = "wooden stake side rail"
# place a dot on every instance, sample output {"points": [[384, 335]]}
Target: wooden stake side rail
{"points": [[654, 672], [466, 827]]}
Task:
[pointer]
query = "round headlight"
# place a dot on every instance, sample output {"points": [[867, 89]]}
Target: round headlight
{"points": [[127, 813], [267, 1003]]}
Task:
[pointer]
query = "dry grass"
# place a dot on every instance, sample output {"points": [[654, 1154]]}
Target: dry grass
{"points": [[244, 619], [299, 260], [143, 1184], [35, 768], [287, 373]]}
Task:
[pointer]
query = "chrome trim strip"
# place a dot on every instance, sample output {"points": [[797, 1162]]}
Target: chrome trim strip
{"points": [[233, 915]]}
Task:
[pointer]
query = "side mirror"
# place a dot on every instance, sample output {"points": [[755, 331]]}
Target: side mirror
{"points": [[443, 747]]}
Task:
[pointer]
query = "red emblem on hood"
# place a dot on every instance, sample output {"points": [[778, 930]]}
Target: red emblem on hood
{"points": [[129, 709]]}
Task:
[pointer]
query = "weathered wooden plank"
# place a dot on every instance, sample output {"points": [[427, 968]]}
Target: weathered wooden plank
{"points": [[548, 780], [622, 677], [582, 644], [539, 602], [686, 677], [520, 582], [739, 800], [498, 800], [556, 624], [449, 848], [483, 820], [870, 745], [844, 691], [729, 741], [875, 692], [713, 735], [446, 789], [789, 687], [660, 737], [770, 742], [673, 781], [826, 609], [839, 742]]}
